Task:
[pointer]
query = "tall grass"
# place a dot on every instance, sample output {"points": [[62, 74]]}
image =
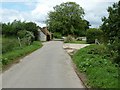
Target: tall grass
{"points": [[9, 57], [9, 44]]}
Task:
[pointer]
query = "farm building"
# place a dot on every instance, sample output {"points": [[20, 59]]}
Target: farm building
{"points": [[44, 34]]}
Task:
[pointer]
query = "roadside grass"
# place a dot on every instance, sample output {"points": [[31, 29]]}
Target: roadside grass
{"points": [[94, 61], [0, 52], [11, 56], [0, 44], [9, 44], [77, 42]]}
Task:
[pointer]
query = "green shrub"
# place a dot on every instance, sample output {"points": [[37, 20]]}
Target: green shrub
{"points": [[21, 33], [114, 49], [111, 28], [95, 62], [69, 39], [26, 37], [57, 35], [93, 34]]}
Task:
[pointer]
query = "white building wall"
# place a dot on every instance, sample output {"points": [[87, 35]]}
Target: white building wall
{"points": [[42, 36]]}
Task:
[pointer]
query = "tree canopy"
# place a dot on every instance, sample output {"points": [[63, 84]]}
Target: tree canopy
{"points": [[12, 29], [111, 29], [67, 18]]}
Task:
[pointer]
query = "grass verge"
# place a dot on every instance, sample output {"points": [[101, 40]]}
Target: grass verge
{"points": [[11, 56], [95, 63]]}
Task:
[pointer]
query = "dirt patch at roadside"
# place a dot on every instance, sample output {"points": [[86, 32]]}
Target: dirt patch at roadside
{"points": [[72, 48]]}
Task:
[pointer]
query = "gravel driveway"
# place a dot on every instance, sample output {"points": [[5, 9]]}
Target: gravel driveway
{"points": [[48, 67]]}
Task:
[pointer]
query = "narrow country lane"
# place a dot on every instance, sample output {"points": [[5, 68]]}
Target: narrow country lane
{"points": [[48, 67]]}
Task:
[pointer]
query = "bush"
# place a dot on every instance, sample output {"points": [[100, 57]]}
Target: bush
{"points": [[69, 39], [93, 34], [57, 35], [26, 37], [114, 49]]}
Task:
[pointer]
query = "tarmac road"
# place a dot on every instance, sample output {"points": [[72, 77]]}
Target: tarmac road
{"points": [[47, 67]]}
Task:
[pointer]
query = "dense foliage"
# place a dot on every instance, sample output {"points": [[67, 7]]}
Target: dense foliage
{"points": [[67, 19], [93, 34], [18, 39], [57, 35], [26, 37], [111, 29], [95, 62], [69, 39], [12, 29]]}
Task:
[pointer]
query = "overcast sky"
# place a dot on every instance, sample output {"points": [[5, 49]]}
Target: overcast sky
{"points": [[36, 10]]}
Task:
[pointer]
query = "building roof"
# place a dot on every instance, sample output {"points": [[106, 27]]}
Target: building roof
{"points": [[45, 31]]}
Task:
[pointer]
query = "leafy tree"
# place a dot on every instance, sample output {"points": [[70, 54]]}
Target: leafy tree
{"points": [[93, 34], [67, 18], [57, 35], [12, 29], [17, 26], [111, 29], [25, 36], [32, 27], [5, 29]]}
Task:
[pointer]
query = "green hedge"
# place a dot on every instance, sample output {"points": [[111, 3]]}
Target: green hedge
{"points": [[93, 34]]}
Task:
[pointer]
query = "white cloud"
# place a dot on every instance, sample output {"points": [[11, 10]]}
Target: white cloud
{"points": [[94, 9], [10, 15], [95, 14], [19, 0]]}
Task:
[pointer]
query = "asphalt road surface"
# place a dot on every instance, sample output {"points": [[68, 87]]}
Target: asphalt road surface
{"points": [[47, 67]]}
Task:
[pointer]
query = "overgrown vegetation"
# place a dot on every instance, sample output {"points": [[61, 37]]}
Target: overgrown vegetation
{"points": [[14, 54], [9, 44], [95, 62], [57, 35], [111, 30], [18, 39], [93, 34], [69, 39], [17, 27]]}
